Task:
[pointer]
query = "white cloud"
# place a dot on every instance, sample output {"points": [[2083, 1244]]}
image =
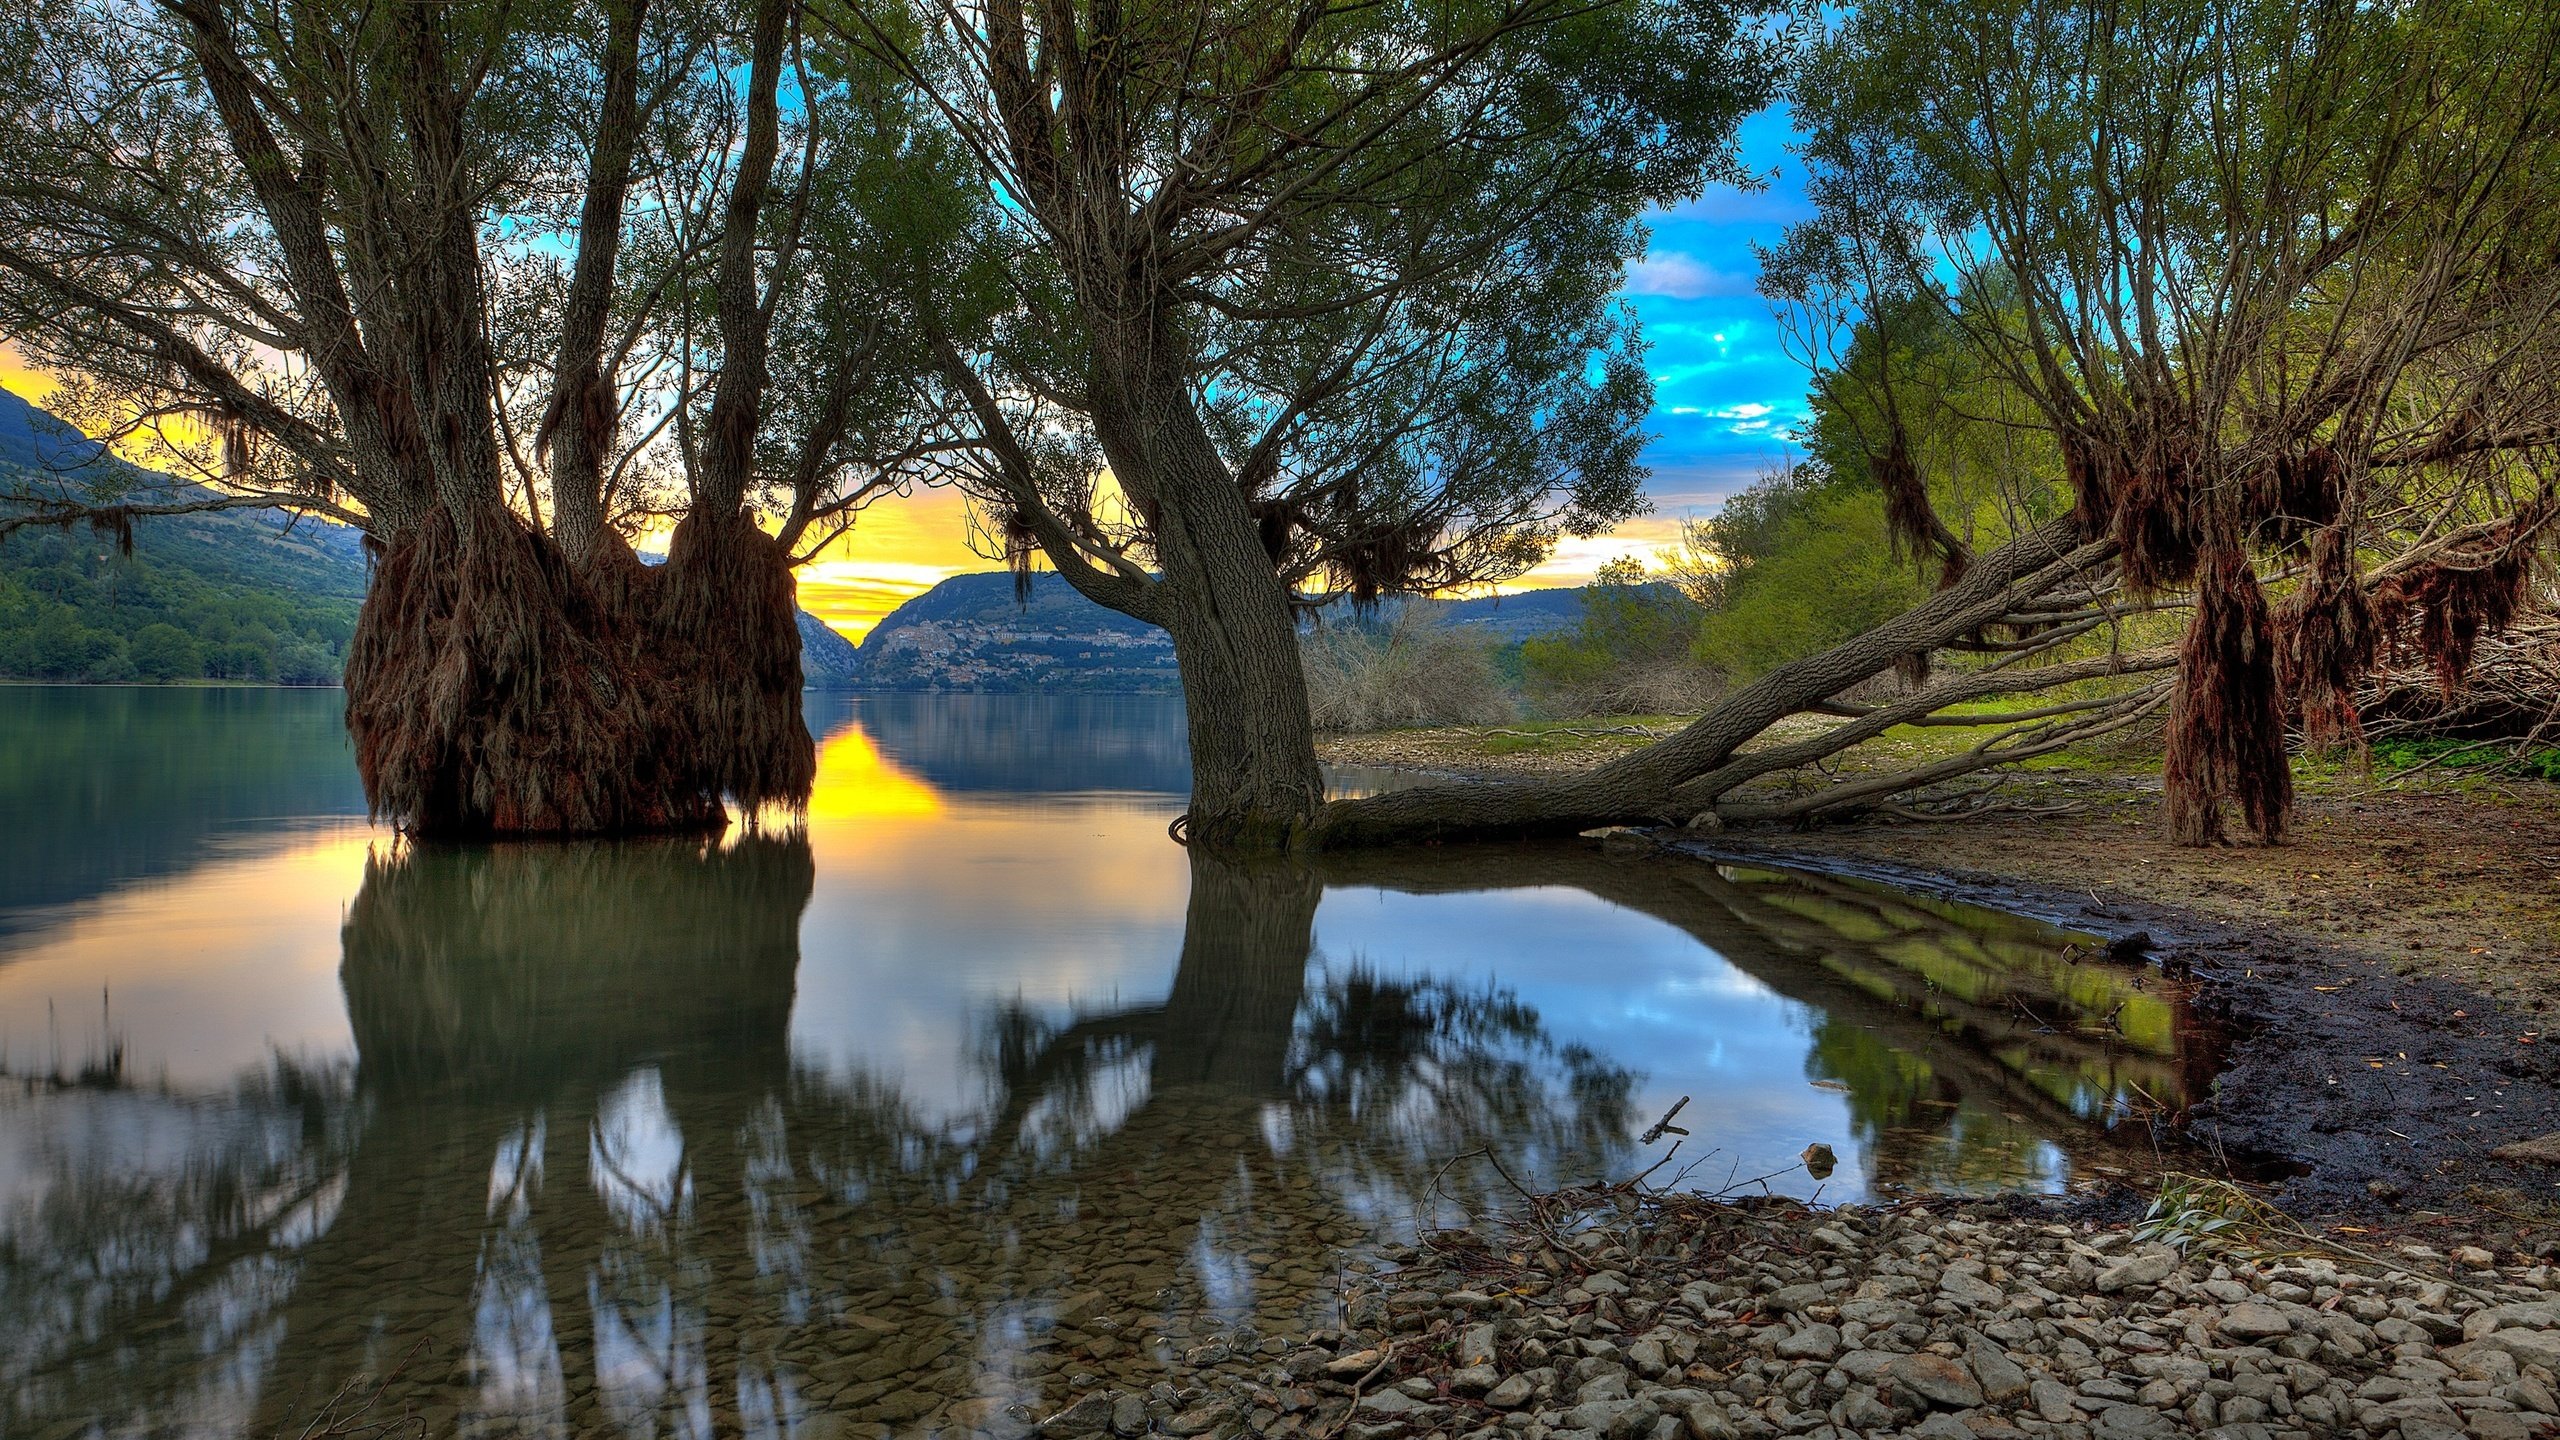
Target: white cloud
{"points": [[1676, 276]]}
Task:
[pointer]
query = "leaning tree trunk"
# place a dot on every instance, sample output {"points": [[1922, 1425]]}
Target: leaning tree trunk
{"points": [[1686, 776], [1255, 782]]}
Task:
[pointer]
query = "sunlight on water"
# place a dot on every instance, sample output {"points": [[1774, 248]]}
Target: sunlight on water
{"points": [[900, 1119]]}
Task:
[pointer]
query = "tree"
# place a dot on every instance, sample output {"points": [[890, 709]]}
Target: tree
{"points": [[2272, 282], [165, 652], [506, 285], [1279, 308]]}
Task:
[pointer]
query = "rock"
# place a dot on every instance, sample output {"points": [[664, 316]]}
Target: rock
{"points": [[1088, 1416], [2251, 1321], [2053, 1401], [1129, 1415], [1706, 1421], [1474, 1379], [2496, 1425], [2540, 1150], [1941, 1427], [1942, 1382], [1514, 1392], [1476, 1346], [1611, 1386], [2529, 1347], [1392, 1402], [1080, 1307], [2133, 1422], [1353, 1365], [2520, 1315], [1970, 1289], [1201, 1419], [2137, 1272], [2003, 1380], [2473, 1257], [1813, 1342], [1792, 1299]]}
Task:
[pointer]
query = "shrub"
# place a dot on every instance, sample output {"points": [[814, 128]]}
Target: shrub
{"points": [[1629, 655], [1411, 668]]}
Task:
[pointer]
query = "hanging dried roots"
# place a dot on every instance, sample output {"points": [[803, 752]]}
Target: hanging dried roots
{"points": [[2327, 640], [728, 614], [2226, 726], [2440, 610], [493, 690]]}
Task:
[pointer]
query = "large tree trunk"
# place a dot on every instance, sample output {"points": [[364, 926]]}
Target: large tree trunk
{"points": [[495, 689], [1255, 783]]}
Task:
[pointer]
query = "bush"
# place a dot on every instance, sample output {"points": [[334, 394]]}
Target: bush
{"points": [[1411, 669], [1628, 656], [1820, 570]]}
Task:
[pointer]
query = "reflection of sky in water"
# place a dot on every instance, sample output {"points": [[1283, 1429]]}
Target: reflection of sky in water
{"points": [[846, 1069], [1633, 988]]}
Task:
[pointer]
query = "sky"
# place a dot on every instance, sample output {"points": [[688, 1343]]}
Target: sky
{"points": [[1725, 397]]}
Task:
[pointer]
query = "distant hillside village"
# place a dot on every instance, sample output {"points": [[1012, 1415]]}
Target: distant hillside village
{"points": [[247, 596]]}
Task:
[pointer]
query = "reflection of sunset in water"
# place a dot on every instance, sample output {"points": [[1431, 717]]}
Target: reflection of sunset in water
{"points": [[168, 959], [825, 1127], [856, 782]]}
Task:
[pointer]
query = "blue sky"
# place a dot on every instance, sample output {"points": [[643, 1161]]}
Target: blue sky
{"points": [[1725, 391]]}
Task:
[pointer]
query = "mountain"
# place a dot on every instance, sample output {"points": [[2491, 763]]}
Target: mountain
{"points": [[969, 634], [827, 660]]}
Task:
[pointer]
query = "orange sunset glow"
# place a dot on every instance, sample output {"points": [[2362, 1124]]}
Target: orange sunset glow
{"points": [[905, 545]]}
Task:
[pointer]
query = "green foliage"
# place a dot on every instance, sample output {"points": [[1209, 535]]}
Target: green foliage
{"points": [[2477, 756], [1629, 651], [71, 608], [1810, 565]]}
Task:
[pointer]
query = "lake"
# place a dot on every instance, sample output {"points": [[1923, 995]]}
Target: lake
{"points": [[969, 1092]]}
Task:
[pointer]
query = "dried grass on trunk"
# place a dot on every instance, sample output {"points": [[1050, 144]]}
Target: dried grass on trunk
{"points": [[493, 690], [2226, 726], [2327, 639]]}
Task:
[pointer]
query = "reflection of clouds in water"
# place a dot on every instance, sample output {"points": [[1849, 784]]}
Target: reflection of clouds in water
{"points": [[1224, 1274], [1634, 988], [649, 1366], [635, 1157], [914, 927], [513, 1354], [515, 1172], [1104, 1095]]}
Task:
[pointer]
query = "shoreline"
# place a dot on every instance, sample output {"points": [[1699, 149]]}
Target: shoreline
{"points": [[2385, 979], [1616, 1314]]}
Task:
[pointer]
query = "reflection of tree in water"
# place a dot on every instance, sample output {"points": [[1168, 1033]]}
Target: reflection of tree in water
{"points": [[1977, 1049], [578, 1161]]}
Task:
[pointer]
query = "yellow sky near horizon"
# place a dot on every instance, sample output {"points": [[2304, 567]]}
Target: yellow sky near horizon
{"points": [[903, 546]]}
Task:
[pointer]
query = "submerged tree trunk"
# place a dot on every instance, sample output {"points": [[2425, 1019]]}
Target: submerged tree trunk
{"points": [[495, 689]]}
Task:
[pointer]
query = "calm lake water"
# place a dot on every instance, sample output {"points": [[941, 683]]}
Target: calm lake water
{"points": [[970, 1093]]}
